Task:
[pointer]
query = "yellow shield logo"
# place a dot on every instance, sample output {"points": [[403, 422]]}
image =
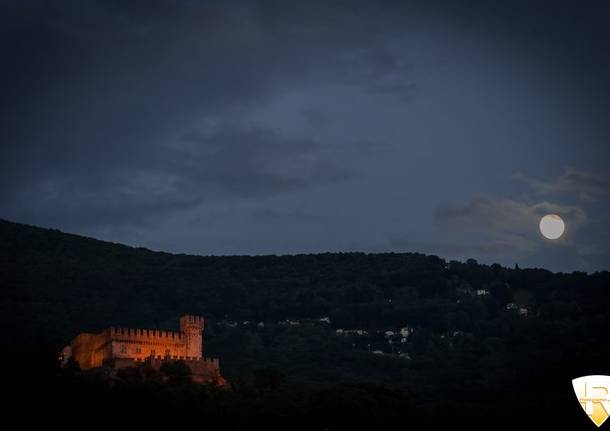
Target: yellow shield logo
{"points": [[593, 393]]}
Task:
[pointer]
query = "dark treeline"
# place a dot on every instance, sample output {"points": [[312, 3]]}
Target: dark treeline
{"points": [[472, 355], [41, 395]]}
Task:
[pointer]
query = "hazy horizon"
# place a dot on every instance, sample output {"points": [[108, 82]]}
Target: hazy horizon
{"points": [[177, 252]]}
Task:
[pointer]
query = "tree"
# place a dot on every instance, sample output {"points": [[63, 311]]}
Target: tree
{"points": [[268, 379], [176, 371]]}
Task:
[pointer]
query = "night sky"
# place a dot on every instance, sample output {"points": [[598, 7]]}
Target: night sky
{"points": [[443, 127]]}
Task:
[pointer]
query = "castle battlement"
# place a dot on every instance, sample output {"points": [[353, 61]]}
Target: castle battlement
{"points": [[212, 361], [190, 319], [93, 350], [131, 333], [127, 347]]}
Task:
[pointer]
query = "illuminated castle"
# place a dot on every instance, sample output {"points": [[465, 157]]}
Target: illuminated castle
{"points": [[122, 347]]}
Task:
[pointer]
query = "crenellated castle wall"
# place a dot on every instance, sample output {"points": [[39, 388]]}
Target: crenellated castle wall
{"points": [[143, 343], [92, 350], [126, 347], [144, 334]]}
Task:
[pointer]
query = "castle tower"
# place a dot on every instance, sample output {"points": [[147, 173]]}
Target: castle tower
{"points": [[192, 328]]}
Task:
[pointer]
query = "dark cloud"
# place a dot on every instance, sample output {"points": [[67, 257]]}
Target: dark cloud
{"points": [[402, 90], [269, 215], [307, 126], [122, 199], [107, 88], [258, 161], [586, 185], [316, 117], [230, 161]]}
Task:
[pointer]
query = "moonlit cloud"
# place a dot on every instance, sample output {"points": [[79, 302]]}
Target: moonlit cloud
{"points": [[586, 185], [505, 215]]}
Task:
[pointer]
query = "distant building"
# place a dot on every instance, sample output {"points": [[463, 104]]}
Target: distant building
{"points": [[482, 292], [406, 331], [520, 309], [123, 347], [289, 322], [360, 332]]}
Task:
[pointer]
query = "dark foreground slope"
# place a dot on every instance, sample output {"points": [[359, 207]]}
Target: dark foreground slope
{"points": [[469, 358]]}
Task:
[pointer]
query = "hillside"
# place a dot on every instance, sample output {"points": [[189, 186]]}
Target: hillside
{"points": [[493, 327]]}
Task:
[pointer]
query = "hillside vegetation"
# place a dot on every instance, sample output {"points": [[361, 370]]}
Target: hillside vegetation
{"points": [[474, 333]]}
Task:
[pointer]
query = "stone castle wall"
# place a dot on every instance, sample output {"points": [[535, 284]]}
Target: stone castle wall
{"points": [[143, 343], [92, 350], [192, 327]]}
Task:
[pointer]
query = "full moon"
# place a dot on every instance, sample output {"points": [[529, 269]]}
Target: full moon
{"points": [[552, 226]]}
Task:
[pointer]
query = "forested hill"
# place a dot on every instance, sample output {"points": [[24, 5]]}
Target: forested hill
{"points": [[467, 318]]}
